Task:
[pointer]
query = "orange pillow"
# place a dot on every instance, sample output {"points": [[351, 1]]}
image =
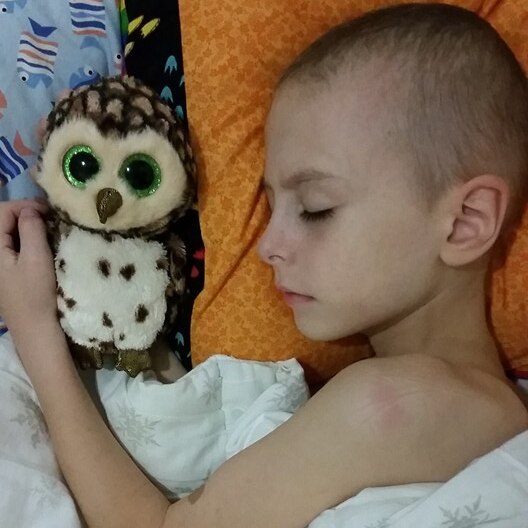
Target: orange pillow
{"points": [[234, 51]]}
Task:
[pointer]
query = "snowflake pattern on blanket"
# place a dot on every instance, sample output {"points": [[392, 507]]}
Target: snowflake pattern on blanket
{"points": [[136, 430], [468, 516], [31, 418]]}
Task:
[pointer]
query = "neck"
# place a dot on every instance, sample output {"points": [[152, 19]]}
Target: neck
{"points": [[451, 325]]}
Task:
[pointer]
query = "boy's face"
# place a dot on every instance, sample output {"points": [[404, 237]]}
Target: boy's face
{"points": [[347, 232]]}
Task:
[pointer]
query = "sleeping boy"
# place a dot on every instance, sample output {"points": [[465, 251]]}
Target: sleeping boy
{"points": [[397, 157]]}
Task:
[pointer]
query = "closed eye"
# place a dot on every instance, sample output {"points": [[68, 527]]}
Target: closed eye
{"points": [[317, 216]]}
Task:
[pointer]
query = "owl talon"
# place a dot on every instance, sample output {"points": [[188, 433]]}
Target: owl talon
{"points": [[133, 361], [86, 357]]}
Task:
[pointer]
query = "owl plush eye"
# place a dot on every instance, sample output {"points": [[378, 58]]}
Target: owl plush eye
{"points": [[142, 173], [80, 165]]}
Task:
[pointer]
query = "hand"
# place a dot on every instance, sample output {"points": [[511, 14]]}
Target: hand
{"points": [[27, 274]]}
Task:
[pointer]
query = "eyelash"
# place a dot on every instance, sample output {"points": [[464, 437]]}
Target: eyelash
{"points": [[317, 216]]}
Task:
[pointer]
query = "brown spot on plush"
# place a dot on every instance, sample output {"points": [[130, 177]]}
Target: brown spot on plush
{"points": [[70, 303], [107, 321], [161, 264], [141, 313], [60, 292], [60, 314], [92, 340], [65, 229], [107, 237], [104, 267], [128, 271], [62, 264], [121, 337]]}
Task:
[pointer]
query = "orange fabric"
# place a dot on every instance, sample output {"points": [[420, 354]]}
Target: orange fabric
{"points": [[234, 51], [509, 302]]}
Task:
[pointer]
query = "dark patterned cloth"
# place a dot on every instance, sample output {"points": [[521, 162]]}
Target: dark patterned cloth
{"points": [[153, 53]]}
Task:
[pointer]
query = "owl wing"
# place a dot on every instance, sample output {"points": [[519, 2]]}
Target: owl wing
{"points": [[176, 290], [56, 229]]}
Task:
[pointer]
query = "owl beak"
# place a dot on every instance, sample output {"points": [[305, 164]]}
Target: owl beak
{"points": [[108, 202]]}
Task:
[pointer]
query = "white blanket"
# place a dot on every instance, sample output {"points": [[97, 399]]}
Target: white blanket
{"points": [[32, 492], [180, 433]]}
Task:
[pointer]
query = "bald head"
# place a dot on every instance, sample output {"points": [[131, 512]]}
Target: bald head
{"points": [[451, 88]]}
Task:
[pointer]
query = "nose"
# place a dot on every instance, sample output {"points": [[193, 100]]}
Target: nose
{"points": [[272, 244]]}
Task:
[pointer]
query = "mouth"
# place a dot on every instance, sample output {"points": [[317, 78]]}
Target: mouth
{"points": [[294, 298]]}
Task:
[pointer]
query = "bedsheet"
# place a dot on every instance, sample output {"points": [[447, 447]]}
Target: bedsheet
{"points": [[181, 432], [33, 493]]}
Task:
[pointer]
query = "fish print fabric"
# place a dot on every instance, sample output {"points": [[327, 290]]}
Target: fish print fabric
{"points": [[46, 48]]}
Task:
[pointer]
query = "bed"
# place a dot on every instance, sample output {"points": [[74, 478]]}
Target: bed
{"points": [[144, 414]]}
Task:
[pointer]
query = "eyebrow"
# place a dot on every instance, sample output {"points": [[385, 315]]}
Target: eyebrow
{"points": [[301, 176]]}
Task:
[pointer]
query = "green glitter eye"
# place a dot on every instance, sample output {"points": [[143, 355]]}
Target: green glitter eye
{"points": [[80, 165], [142, 173]]}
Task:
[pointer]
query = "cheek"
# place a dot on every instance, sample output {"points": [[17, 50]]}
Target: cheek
{"points": [[322, 253], [366, 264]]}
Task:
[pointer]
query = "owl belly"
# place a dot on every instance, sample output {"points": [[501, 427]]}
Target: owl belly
{"points": [[111, 291]]}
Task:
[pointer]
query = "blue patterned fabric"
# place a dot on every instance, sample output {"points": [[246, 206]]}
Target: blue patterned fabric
{"points": [[45, 48]]}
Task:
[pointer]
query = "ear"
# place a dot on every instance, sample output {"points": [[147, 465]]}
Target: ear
{"points": [[477, 212]]}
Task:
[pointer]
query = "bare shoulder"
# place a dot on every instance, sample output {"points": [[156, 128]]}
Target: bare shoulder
{"points": [[430, 400]]}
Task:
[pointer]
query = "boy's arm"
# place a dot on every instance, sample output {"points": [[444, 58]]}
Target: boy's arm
{"points": [[108, 487]]}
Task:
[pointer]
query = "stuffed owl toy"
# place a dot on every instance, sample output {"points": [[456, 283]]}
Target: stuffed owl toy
{"points": [[118, 171]]}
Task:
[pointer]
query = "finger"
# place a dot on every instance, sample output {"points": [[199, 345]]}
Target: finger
{"points": [[42, 202], [9, 212], [7, 245], [9, 240], [8, 223], [32, 233], [18, 205]]}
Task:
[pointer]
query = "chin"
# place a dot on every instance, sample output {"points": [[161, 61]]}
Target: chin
{"points": [[320, 331]]}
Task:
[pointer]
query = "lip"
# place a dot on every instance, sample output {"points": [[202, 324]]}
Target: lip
{"points": [[294, 298]]}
